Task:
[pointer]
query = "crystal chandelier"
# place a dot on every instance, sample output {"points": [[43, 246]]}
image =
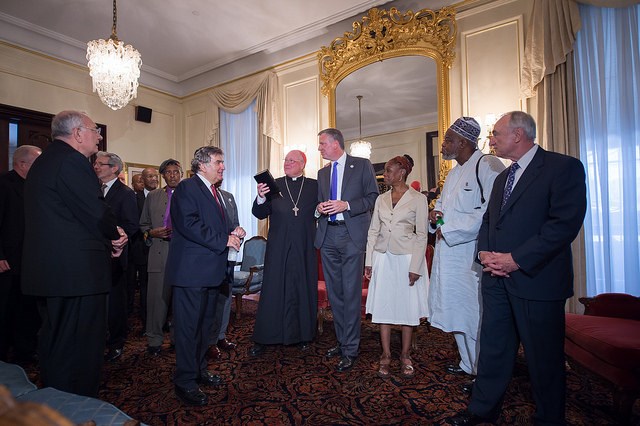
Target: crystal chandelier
{"points": [[360, 148], [114, 67]]}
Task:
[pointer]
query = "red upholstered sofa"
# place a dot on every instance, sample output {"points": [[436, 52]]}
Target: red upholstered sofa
{"points": [[606, 341]]}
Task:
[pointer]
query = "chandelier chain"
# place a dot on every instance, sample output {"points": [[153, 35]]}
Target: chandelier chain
{"points": [[115, 21]]}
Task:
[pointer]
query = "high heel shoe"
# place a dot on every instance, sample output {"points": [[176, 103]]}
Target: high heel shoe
{"points": [[383, 370], [406, 367]]}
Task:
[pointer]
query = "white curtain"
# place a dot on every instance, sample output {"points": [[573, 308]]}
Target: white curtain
{"points": [[607, 64], [239, 141]]}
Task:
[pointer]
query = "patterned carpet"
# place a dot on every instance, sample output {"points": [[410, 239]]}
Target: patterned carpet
{"points": [[289, 387]]}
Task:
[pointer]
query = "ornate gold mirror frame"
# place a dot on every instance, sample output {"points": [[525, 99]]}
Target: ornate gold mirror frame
{"points": [[386, 34]]}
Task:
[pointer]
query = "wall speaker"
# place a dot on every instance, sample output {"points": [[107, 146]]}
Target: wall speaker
{"points": [[143, 114]]}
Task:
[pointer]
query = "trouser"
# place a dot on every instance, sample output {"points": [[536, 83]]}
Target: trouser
{"points": [[467, 347], [158, 298], [343, 264], [72, 341], [193, 313]]}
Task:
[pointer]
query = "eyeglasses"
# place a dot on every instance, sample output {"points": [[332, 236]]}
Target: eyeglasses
{"points": [[172, 172], [97, 130], [103, 164]]}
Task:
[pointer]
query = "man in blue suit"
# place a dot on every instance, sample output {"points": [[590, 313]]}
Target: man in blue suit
{"points": [[345, 215], [535, 211], [196, 268]]}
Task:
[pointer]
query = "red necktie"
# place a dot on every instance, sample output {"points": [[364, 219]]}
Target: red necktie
{"points": [[215, 195]]}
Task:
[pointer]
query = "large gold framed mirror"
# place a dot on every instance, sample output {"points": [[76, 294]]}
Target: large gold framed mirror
{"points": [[388, 80]]}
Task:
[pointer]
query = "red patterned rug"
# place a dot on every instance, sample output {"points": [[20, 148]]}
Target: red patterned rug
{"points": [[289, 387]]}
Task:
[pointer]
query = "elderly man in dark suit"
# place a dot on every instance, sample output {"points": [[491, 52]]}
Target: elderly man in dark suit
{"points": [[70, 237], [535, 211], [122, 201], [145, 182], [196, 268], [347, 191], [19, 319]]}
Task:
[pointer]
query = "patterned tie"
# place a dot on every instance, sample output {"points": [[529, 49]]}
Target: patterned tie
{"points": [[104, 189], [334, 186], [167, 212], [215, 195], [509, 186]]}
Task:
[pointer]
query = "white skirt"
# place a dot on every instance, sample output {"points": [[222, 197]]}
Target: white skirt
{"points": [[390, 299]]}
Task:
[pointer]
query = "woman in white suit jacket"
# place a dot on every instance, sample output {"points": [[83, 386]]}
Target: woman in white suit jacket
{"points": [[395, 262]]}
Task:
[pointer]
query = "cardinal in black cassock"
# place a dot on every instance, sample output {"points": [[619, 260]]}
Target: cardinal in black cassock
{"points": [[289, 296]]}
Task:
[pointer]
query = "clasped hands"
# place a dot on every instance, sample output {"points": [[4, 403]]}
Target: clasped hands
{"points": [[235, 238], [330, 207], [412, 276], [498, 264], [118, 245]]}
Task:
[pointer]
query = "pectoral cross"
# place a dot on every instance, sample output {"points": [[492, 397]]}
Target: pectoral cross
{"points": [[295, 210]]}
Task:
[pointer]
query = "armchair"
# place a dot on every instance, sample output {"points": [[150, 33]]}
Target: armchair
{"points": [[248, 280]]}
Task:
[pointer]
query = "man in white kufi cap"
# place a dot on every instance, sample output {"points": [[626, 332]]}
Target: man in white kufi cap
{"points": [[454, 301]]}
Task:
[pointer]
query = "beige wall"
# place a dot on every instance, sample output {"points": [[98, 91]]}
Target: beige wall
{"points": [[32, 81]]}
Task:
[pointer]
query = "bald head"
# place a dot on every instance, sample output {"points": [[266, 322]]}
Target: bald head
{"points": [[23, 158]]}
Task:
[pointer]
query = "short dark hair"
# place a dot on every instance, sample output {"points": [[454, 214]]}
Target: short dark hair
{"points": [[335, 134], [203, 156]]}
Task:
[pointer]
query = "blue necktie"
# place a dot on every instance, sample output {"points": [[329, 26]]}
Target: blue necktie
{"points": [[509, 186], [334, 186]]}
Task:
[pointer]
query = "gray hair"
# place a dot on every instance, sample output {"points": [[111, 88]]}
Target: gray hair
{"points": [[113, 159], [64, 122], [203, 156], [522, 120], [24, 152], [334, 134]]}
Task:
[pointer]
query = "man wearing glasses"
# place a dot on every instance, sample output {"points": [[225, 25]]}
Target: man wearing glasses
{"points": [[70, 237], [155, 224]]}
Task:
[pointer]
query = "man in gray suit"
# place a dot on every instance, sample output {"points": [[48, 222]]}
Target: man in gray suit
{"points": [[347, 191], [218, 340], [155, 224]]}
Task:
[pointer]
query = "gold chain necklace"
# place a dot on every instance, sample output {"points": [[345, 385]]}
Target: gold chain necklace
{"points": [[295, 203]]}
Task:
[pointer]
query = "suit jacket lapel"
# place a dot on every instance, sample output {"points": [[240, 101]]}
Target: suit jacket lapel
{"points": [[528, 178]]}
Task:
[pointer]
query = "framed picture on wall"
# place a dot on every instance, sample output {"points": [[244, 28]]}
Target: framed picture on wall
{"points": [[131, 169]]}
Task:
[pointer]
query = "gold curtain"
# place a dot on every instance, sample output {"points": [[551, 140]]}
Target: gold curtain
{"points": [[548, 72], [236, 96]]}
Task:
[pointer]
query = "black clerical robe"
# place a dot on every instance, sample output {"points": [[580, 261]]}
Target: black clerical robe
{"points": [[289, 296]]}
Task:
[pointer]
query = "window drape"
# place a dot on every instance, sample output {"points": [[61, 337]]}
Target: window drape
{"points": [[236, 97], [548, 72], [607, 65], [239, 141]]}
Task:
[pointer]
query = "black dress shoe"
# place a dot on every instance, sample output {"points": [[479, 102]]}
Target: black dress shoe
{"points": [[467, 387], [304, 346], [191, 396], [154, 350], [466, 418], [455, 369], [256, 350], [113, 354], [346, 363], [213, 353], [334, 352], [207, 378], [226, 345]]}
